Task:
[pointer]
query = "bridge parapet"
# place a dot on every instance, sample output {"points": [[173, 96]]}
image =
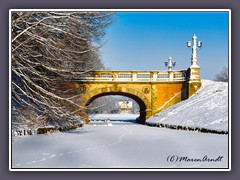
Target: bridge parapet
{"points": [[134, 76]]}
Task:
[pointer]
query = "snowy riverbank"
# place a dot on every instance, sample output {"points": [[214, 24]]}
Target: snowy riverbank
{"points": [[137, 146], [207, 109], [121, 146]]}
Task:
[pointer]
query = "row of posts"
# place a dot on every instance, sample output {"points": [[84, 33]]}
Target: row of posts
{"points": [[23, 132], [154, 75], [133, 75]]}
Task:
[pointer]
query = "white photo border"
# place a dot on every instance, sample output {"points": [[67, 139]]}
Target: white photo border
{"points": [[124, 169]]}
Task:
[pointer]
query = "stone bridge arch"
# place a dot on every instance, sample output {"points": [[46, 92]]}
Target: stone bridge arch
{"points": [[154, 91], [139, 97]]}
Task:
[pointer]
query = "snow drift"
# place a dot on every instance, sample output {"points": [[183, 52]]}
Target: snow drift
{"points": [[207, 109]]}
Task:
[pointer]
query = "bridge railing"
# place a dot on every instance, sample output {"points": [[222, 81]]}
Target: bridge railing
{"points": [[180, 75]]}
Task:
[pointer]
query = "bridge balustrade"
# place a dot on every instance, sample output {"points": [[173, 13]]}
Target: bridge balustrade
{"points": [[149, 76]]}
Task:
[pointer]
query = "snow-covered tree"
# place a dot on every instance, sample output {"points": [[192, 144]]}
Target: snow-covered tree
{"points": [[48, 50]]}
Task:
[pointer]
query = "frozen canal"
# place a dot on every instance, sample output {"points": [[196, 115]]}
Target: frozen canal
{"points": [[121, 146]]}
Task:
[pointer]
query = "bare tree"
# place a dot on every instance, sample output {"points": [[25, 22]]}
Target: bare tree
{"points": [[48, 50], [223, 75]]}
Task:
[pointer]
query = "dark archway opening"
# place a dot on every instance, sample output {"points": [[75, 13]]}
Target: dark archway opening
{"points": [[140, 117]]}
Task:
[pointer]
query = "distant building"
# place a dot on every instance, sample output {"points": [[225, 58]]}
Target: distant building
{"points": [[125, 106]]}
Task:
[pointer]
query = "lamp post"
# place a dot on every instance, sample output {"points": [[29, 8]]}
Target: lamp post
{"points": [[170, 63], [194, 81], [194, 44]]}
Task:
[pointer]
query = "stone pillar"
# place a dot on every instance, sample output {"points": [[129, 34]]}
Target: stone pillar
{"points": [[115, 76], [148, 113], [195, 73], [171, 75], [134, 76], [193, 86], [96, 76], [154, 75], [194, 81]]}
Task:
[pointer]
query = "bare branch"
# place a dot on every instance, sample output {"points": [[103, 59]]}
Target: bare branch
{"points": [[48, 50]]}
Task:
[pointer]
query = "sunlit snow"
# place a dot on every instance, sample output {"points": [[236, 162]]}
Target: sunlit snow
{"points": [[208, 108], [130, 145]]}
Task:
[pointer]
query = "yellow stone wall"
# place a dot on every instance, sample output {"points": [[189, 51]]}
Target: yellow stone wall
{"points": [[155, 96], [167, 95]]}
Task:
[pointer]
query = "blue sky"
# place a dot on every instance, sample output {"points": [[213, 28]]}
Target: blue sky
{"points": [[145, 40]]}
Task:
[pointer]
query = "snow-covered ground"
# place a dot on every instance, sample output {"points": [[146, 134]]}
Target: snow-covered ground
{"points": [[121, 146], [111, 145], [208, 108]]}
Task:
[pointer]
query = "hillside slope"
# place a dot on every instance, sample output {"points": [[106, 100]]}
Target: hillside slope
{"points": [[207, 109]]}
